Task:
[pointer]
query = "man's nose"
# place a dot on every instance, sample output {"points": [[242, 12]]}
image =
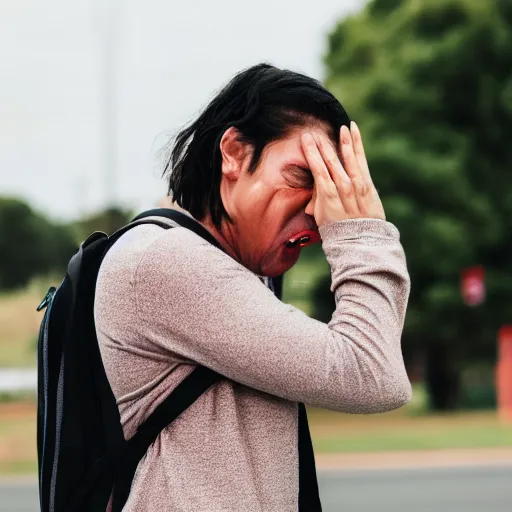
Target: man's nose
{"points": [[310, 207]]}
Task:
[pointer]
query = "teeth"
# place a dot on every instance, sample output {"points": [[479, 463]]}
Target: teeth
{"points": [[302, 241]]}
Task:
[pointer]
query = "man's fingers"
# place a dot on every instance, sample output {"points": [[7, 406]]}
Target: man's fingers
{"points": [[348, 156], [337, 198], [332, 161], [324, 185], [313, 157], [359, 181], [315, 161], [339, 176], [359, 150]]}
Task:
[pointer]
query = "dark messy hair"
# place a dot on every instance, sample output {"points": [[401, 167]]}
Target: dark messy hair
{"points": [[264, 104]]}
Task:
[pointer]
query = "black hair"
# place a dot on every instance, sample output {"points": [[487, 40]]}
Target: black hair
{"points": [[263, 103]]}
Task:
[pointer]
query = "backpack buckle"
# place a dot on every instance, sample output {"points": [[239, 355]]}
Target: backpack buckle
{"points": [[47, 298]]}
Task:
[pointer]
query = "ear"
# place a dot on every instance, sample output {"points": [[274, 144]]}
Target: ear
{"points": [[234, 154]]}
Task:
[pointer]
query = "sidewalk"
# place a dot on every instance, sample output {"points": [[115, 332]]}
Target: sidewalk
{"points": [[18, 379]]}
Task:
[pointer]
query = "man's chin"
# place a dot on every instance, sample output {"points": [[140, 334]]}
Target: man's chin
{"points": [[284, 261]]}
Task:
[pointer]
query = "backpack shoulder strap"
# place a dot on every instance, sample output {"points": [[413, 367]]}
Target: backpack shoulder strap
{"points": [[126, 462], [183, 220]]}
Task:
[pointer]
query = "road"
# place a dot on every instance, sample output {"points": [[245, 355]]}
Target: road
{"points": [[470, 489]]}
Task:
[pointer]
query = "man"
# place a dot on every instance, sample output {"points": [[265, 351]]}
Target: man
{"points": [[271, 165]]}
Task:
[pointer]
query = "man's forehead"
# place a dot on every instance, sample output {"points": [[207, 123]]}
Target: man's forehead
{"points": [[292, 144], [315, 129], [288, 150]]}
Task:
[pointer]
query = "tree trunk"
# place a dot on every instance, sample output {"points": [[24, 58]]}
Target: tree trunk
{"points": [[441, 378]]}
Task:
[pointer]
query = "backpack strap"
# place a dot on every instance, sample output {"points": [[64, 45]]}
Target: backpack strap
{"points": [[309, 494], [183, 220], [127, 460]]}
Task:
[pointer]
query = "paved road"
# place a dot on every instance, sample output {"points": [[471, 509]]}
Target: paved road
{"points": [[477, 489]]}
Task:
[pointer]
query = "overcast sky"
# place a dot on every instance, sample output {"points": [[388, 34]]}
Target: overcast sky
{"points": [[173, 56]]}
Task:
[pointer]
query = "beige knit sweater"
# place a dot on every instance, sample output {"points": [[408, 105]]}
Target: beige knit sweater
{"points": [[167, 299]]}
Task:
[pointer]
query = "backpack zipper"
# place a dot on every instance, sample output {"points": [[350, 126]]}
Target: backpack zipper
{"points": [[47, 298]]}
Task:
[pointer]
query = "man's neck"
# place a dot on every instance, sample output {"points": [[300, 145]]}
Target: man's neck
{"points": [[224, 240], [224, 236]]}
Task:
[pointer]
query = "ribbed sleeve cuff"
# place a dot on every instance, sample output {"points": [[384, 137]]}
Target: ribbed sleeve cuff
{"points": [[359, 229]]}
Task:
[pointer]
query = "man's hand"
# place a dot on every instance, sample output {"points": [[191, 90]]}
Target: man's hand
{"points": [[343, 186]]}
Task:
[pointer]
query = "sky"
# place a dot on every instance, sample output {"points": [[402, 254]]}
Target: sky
{"points": [[56, 135]]}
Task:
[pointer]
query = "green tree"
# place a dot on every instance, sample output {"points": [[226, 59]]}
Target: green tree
{"points": [[30, 245], [430, 83], [107, 221]]}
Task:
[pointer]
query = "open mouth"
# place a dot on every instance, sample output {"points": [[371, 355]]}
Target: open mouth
{"points": [[302, 239]]}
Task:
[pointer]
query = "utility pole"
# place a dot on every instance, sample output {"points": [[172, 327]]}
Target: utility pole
{"points": [[107, 15]]}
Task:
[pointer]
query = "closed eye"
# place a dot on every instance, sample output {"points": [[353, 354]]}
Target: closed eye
{"points": [[297, 176]]}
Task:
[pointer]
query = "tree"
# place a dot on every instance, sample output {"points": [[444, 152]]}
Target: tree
{"points": [[107, 221], [430, 83], [30, 245]]}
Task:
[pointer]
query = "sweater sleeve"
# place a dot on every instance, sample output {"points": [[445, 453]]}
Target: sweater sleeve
{"points": [[194, 300]]}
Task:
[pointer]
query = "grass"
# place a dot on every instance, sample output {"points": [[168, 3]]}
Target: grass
{"points": [[399, 432], [19, 467], [409, 428], [331, 433], [19, 325]]}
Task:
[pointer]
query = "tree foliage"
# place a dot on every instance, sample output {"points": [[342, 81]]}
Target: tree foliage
{"points": [[107, 221], [30, 244], [430, 84]]}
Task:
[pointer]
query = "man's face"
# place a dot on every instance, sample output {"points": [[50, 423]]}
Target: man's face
{"points": [[268, 207]]}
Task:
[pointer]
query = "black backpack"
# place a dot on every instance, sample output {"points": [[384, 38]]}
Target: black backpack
{"points": [[83, 457]]}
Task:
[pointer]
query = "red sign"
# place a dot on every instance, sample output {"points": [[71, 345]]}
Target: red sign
{"points": [[505, 343], [504, 373], [473, 285]]}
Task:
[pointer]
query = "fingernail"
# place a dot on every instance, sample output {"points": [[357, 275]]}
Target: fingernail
{"points": [[353, 125], [307, 138], [345, 135]]}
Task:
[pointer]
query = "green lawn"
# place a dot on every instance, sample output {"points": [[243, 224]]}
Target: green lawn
{"points": [[18, 467], [409, 428], [19, 324], [331, 433], [417, 435]]}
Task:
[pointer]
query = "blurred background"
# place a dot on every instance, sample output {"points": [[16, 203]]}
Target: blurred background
{"points": [[91, 91]]}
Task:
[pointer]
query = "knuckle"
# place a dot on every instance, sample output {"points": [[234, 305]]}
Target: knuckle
{"points": [[331, 160], [331, 193], [360, 187], [310, 148], [346, 186]]}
